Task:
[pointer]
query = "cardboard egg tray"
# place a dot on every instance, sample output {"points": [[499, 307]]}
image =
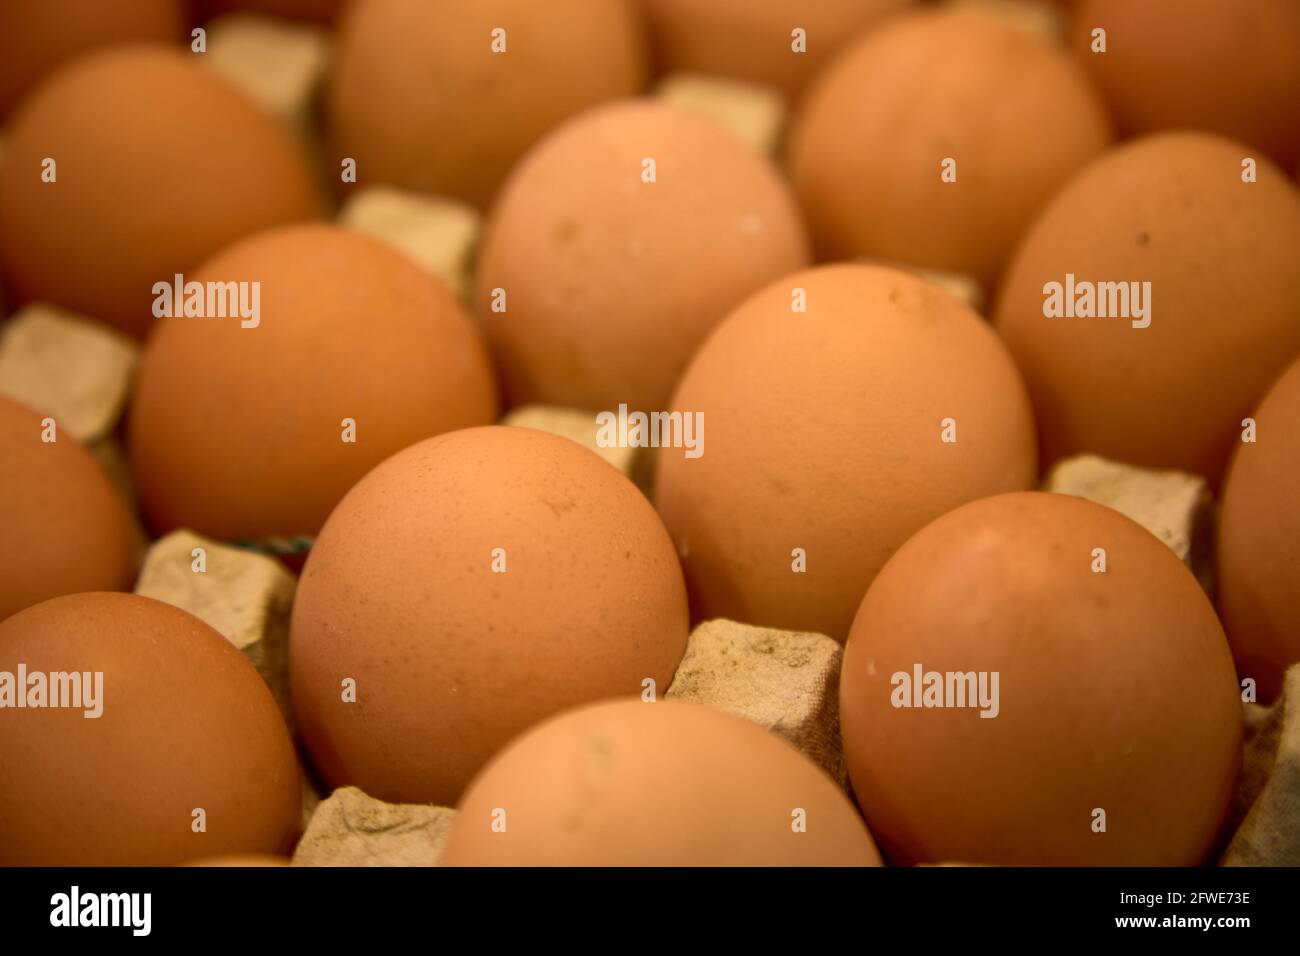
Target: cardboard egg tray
{"points": [[785, 681], [80, 372]]}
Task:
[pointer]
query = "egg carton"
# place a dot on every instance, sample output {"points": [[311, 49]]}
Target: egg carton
{"points": [[437, 234], [71, 367], [756, 113], [351, 828], [278, 63]]}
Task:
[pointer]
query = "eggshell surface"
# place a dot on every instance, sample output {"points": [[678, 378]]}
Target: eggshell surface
{"points": [[470, 586], [1116, 735], [185, 724], [612, 280], [430, 97], [934, 140], [1259, 540], [1170, 210], [655, 784], [824, 441], [757, 41], [1229, 68], [158, 164], [37, 38], [63, 528], [239, 432]]}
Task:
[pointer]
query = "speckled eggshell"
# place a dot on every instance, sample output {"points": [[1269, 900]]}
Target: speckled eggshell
{"points": [[63, 527], [1014, 112], [160, 163], [1220, 254], [823, 431], [1230, 68], [38, 37], [238, 432], [186, 724], [655, 784], [1115, 693], [1259, 540], [611, 282], [451, 658], [754, 41], [418, 97]]}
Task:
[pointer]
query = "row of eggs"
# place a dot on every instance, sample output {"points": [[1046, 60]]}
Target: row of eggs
{"points": [[823, 435]]}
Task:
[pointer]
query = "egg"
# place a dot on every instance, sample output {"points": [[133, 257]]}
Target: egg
{"points": [[467, 588], [780, 43], [319, 11], [1259, 540], [65, 528], [38, 37], [629, 783], [247, 428], [1229, 68], [444, 97], [241, 861], [157, 163], [1203, 314], [615, 247], [843, 408], [934, 139], [161, 743], [1036, 680]]}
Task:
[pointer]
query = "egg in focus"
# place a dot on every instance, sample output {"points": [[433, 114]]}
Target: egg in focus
{"points": [[185, 724], [833, 433], [470, 586], [1164, 386], [1113, 733]]}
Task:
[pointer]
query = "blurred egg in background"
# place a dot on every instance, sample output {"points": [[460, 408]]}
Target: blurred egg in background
{"points": [[443, 97], [617, 243], [248, 428]]}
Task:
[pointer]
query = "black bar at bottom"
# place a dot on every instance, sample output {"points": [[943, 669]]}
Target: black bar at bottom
{"points": [[305, 906]]}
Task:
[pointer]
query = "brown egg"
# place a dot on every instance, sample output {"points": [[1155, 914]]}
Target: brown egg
{"points": [[241, 861], [467, 588], [610, 282], [871, 147], [756, 41], [420, 98], [1112, 735], [65, 528], [320, 11], [158, 164], [1224, 298], [630, 783], [825, 441], [242, 432], [1231, 68], [38, 37], [180, 754], [1259, 540]]}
